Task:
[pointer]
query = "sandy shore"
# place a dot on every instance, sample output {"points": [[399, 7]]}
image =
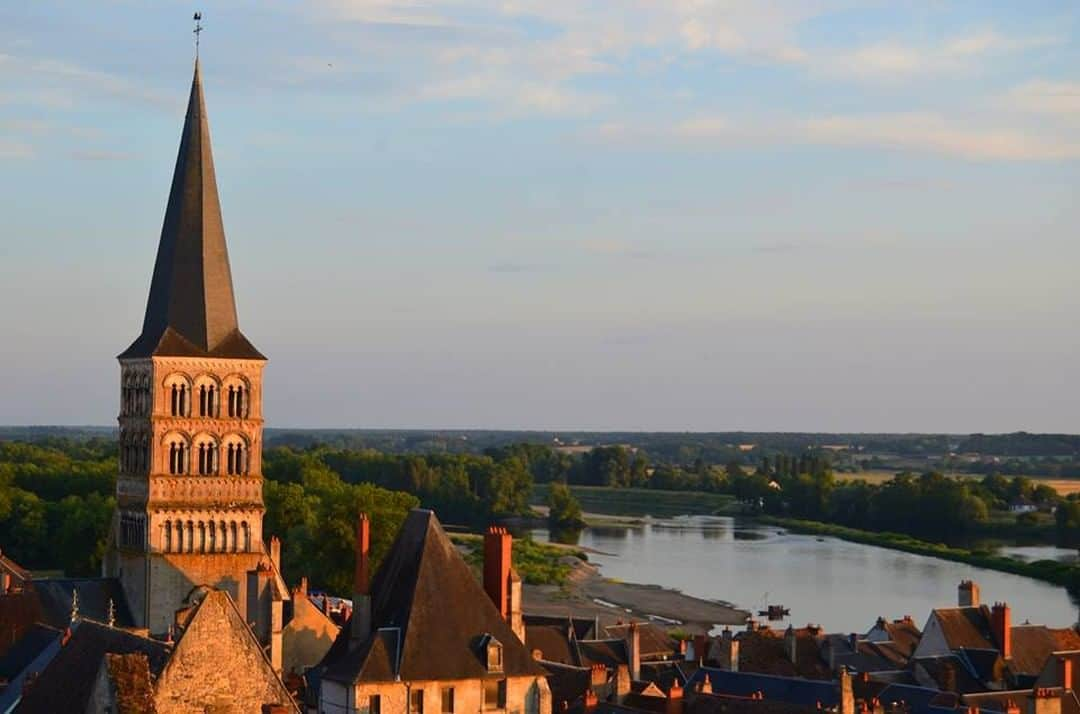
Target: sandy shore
{"points": [[589, 594]]}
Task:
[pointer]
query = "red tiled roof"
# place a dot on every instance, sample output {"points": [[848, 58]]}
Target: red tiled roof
{"points": [[763, 652], [967, 627], [1032, 645]]}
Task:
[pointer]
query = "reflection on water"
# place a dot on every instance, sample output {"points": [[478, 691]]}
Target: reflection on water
{"points": [[843, 586]]}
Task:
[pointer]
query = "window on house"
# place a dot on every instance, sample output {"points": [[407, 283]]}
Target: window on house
{"points": [[494, 655], [374, 704], [494, 694], [416, 701], [448, 700]]}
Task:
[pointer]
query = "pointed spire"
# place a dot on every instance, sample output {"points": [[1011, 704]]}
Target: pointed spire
{"points": [[74, 604], [191, 309]]}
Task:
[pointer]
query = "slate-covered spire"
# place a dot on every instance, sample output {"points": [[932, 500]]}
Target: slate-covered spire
{"points": [[191, 310]]}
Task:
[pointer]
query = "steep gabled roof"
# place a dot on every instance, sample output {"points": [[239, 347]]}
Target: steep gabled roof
{"points": [[66, 683], [1032, 646], [429, 616], [191, 310], [967, 627]]}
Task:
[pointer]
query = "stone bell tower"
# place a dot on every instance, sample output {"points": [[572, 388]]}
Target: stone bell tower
{"points": [[189, 492]]}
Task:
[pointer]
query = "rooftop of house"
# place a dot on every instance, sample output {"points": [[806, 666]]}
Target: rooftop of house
{"points": [[11, 567], [1032, 646], [763, 651], [430, 617], [791, 690], [68, 680], [654, 641], [967, 627]]}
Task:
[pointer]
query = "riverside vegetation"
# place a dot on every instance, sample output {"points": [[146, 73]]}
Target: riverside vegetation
{"points": [[56, 499]]}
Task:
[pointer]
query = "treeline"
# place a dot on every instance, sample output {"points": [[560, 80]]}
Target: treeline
{"points": [[929, 506], [56, 502]]}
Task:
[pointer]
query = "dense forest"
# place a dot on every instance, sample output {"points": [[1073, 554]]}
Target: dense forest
{"points": [[57, 501], [56, 493]]}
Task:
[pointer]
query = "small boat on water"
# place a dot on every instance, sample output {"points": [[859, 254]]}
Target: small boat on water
{"points": [[774, 612]]}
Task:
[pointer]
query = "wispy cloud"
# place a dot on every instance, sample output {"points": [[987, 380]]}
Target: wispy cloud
{"points": [[1042, 96], [898, 59], [928, 132]]}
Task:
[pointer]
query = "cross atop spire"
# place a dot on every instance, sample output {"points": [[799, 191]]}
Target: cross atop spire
{"points": [[191, 310], [197, 32]]}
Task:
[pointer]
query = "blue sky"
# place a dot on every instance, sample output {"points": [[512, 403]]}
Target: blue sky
{"points": [[615, 214]]}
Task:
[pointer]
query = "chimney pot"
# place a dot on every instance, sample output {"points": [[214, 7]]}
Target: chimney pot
{"points": [[1001, 624]]}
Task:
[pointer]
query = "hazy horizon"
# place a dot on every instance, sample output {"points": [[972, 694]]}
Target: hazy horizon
{"points": [[813, 217]]}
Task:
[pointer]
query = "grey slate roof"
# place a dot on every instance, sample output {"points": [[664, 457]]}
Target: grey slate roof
{"points": [[433, 614], [191, 310], [55, 596], [66, 683]]}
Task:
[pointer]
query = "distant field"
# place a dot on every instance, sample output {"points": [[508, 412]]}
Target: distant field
{"points": [[1064, 486], [642, 501]]}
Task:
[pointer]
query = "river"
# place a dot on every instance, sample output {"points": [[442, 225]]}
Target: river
{"points": [[826, 581]]}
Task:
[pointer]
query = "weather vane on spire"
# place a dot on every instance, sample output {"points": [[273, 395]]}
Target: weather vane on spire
{"points": [[197, 31]]}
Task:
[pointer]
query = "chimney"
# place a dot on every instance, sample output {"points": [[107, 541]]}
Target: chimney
{"points": [[847, 693], [590, 700], [597, 675], [497, 559], [968, 594], [1011, 707], [948, 677], [674, 699], [301, 589], [1001, 625], [633, 651], [1065, 665], [361, 615], [326, 604], [5, 583], [622, 681], [706, 685], [729, 651], [517, 621], [1047, 701], [790, 644], [275, 552]]}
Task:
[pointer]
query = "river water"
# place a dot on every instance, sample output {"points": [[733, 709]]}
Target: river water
{"points": [[841, 585]]}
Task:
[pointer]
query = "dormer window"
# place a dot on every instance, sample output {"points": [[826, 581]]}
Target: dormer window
{"points": [[491, 650]]}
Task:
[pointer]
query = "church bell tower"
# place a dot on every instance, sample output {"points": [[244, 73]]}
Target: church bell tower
{"points": [[189, 491]]}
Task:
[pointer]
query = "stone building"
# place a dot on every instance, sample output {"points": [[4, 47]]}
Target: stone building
{"points": [[216, 664], [426, 637], [189, 491]]}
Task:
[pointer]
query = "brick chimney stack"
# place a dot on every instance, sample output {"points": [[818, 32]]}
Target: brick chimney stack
{"points": [[633, 651], [674, 704], [1001, 625], [497, 559], [968, 594], [361, 614], [1065, 665]]}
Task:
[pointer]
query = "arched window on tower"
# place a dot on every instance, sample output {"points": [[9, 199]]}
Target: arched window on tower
{"points": [[232, 535], [202, 537], [189, 537], [223, 546], [178, 546], [245, 533], [211, 543]]}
